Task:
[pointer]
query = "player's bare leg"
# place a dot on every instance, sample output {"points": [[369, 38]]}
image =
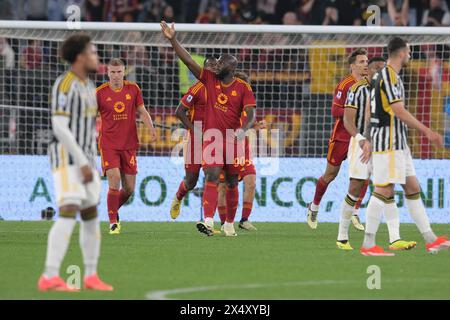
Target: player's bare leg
{"points": [[321, 187], [188, 183], [232, 199], [57, 244], [417, 211], [210, 196], [222, 203], [90, 248], [249, 196], [113, 199]]}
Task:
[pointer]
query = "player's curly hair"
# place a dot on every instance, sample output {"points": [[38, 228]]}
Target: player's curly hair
{"points": [[358, 52], [74, 45]]}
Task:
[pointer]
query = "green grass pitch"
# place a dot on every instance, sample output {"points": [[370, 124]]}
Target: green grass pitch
{"points": [[279, 261]]}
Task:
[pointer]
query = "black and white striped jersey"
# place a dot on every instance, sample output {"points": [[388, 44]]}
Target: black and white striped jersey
{"points": [[76, 99], [387, 131], [357, 98]]}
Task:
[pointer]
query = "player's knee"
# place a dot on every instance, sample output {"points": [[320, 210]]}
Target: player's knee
{"points": [[89, 213], [329, 177], [212, 177]]}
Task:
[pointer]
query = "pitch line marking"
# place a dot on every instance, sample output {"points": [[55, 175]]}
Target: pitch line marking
{"points": [[163, 294]]}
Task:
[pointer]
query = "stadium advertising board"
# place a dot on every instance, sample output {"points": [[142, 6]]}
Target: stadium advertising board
{"points": [[284, 187]]}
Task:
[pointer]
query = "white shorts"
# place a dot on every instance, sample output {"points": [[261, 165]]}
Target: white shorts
{"points": [[70, 190], [392, 167], [356, 168]]}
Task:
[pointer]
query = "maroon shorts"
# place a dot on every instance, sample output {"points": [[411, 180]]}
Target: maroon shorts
{"points": [[125, 160], [245, 165], [228, 156], [337, 152]]}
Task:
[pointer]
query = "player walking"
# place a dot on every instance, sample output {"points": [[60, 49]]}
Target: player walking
{"points": [[338, 143], [72, 155], [356, 116], [391, 157], [227, 98], [118, 101]]}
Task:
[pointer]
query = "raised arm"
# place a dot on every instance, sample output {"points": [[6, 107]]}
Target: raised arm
{"points": [[169, 33]]}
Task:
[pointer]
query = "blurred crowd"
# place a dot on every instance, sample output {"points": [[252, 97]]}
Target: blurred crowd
{"points": [[288, 12]]}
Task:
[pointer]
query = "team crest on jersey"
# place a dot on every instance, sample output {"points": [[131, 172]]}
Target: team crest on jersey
{"points": [[119, 106], [339, 95], [189, 98], [234, 93], [128, 96], [222, 98]]}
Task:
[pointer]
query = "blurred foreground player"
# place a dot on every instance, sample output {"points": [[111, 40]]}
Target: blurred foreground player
{"points": [[72, 152]]}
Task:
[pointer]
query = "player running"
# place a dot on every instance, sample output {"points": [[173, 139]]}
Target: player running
{"points": [[118, 100], [227, 98], [391, 157], [339, 140], [193, 103], [72, 155], [356, 116]]}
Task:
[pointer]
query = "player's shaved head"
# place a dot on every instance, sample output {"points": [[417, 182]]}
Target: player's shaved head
{"points": [[226, 65]]}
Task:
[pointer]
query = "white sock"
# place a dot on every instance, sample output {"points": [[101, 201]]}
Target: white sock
{"points": [[393, 221], [90, 244], [57, 244], [314, 207], [347, 209], [209, 222], [417, 211], [374, 212]]}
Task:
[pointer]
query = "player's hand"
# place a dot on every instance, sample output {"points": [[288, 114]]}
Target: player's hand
{"points": [[366, 147], [435, 138], [87, 174], [169, 32], [260, 125], [152, 134], [239, 134]]}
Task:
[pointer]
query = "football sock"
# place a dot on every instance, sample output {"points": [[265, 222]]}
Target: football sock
{"points": [[361, 196], [392, 220], [90, 244], [222, 213], [232, 198], [123, 197], [246, 210], [57, 243], [374, 212], [210, 196], [417, 211], [347, 209], [321, 188], [113, 200], [182, 191]]}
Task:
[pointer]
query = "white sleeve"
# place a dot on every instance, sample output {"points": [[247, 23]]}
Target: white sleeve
{"points": [[61, 131]]}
